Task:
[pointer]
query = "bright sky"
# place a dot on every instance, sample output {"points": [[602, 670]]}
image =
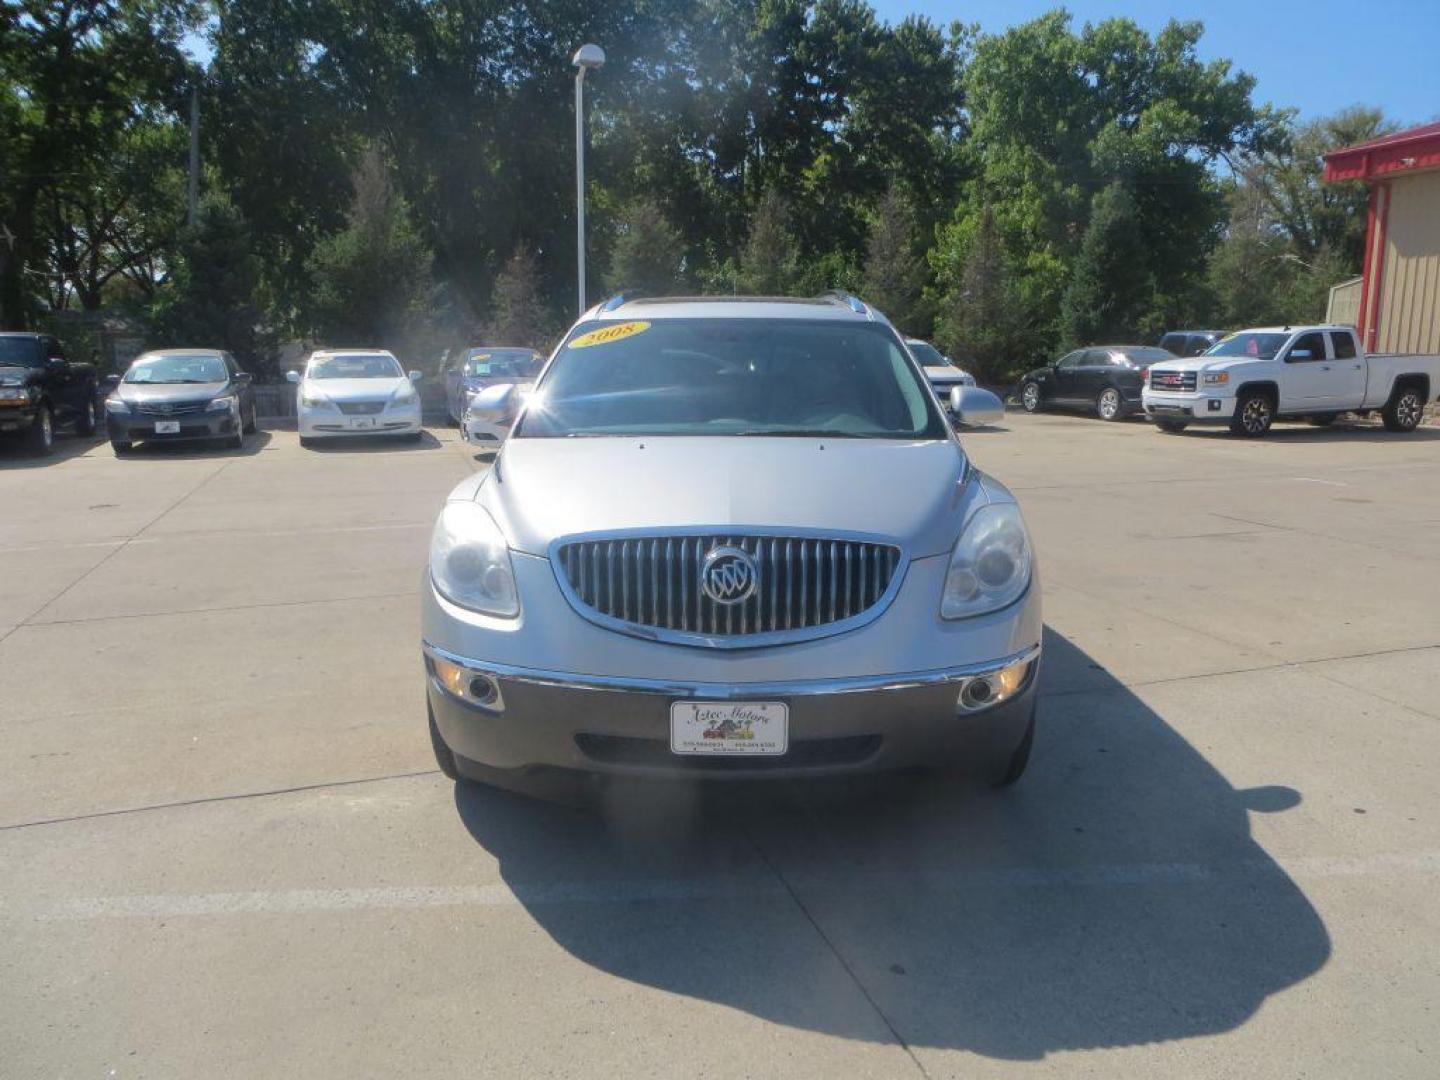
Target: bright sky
{"points": [[1316, 55]]}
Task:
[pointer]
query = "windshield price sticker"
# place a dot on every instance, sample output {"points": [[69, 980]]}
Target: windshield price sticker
{"points": [[606, 335]]}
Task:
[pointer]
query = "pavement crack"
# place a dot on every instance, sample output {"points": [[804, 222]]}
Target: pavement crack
{"points": [[204, 800], [839, 957]]}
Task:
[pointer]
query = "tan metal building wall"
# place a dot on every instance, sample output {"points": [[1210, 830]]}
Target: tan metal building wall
{"points": [[1409, 315]]}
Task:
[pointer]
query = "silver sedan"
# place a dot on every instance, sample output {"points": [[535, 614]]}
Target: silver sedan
{"points": [[732, 538]]}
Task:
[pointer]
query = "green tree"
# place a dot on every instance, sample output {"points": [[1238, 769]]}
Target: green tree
{"points": [[371, 279], [768, 265], [518, 307], [1109, 282], [894, 274], [214, 298], [648, 255]]}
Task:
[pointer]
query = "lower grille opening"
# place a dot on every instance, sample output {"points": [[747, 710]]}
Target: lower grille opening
{"points": [[804, 753]]}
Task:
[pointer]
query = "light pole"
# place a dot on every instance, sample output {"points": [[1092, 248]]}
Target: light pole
{"points": [[586, 57]]}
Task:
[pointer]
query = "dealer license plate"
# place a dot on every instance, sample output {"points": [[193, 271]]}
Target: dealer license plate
{"points": [[167, 427], [729, 727], [362, 422]]}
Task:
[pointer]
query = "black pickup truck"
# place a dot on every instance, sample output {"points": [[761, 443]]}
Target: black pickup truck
{"points": [[40, 390]]}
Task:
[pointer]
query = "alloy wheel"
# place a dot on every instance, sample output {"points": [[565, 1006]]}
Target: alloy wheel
{"points": [[1408, 409], [47, 429], [1030, 397], [1256, 416], [1109, 404]]}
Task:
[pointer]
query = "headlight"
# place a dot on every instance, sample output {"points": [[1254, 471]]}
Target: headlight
{"points": [[470, 561], [313, 399], [223, 404], [990, 566], [116, 405], [14, 393], [406, 395], [1216, 378]]}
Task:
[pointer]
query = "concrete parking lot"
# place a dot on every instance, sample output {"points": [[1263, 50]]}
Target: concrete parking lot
{"points": [[224, 850]]}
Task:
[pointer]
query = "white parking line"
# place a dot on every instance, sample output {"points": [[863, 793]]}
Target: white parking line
{"points": [[1317, 480], [305, 901]]}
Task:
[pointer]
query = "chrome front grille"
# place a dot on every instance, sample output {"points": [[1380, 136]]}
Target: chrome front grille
{"points": [[1171, 380], [804, 587], [361, 408], [171, 408]]}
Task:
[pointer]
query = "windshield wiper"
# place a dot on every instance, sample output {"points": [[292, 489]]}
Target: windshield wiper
{"points": [[803, 433]]}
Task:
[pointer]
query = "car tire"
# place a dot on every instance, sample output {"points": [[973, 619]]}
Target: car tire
{"points": [[1172, 427], [1110, 405], [1404, 410], [121, 446], [1030, 397], [444, 756], [1254, 413], [85, 425], [254, 424], [1015, 766], [40, 435], [306, 443]]}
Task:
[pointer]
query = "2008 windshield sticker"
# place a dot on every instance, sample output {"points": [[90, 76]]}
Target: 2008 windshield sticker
{"points": [[606, 335]]}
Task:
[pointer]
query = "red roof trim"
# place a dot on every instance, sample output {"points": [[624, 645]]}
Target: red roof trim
{"points": [[1405, 151]]}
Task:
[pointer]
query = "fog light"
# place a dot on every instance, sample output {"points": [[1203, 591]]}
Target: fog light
{"points": [[472, 687], [984, 691]]}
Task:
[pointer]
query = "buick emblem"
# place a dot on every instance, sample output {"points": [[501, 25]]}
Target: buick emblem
{"points": [[729, 575]]}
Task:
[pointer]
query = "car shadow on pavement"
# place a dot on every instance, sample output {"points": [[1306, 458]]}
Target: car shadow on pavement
{"points": [[1113, 898], [14, 455], [1339, 432], [193, 450], [372, 444]]}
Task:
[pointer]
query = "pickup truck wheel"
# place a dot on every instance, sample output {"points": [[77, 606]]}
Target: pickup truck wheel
{"points": [[444, 756], [40, 435], [1254, 413], [86, 424], [1404, 410], [1108, 405], [1172, 427], [1030, 397]]}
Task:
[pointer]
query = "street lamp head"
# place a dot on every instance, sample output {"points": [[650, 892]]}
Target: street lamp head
{"points": [[588, 56]]}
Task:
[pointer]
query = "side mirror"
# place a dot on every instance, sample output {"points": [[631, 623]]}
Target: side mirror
{"points": [[1301, 354], [416, 376], [110, 381], [54, 363], [492, 412], [244, 377], [974, 407], [292, 376]]}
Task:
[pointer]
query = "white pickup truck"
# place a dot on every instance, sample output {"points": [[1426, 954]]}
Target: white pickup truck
{"points": [[1254, 377]]}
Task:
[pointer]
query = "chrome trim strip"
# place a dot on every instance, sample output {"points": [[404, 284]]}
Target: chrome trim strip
{"points": [[738, 691], [717, 638]]}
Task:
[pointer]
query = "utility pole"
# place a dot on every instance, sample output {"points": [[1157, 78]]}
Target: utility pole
{"points": [[587, 58], [193, 195]]}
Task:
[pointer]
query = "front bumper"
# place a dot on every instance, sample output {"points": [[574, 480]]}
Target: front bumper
{"points": [[539, 720], [16, 416], [316, 423], [1193, 408], [134, 427]]}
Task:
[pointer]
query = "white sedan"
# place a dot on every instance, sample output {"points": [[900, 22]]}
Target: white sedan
{"points": [[355, 392]]}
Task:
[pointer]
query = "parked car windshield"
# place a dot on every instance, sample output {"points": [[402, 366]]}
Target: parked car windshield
{"points": [[927, 354], [354, 366], [510, 363], [733, 377], [1259, 345], [177, 369], [19, 352]]}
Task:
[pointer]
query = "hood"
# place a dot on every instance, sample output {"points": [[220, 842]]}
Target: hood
{"points": [[140, 392], [1202, 363], [542, 489], [945, 374], [356, 389]]}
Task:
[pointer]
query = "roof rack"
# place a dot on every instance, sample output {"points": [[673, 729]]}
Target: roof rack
{"points": [[852, 301]]}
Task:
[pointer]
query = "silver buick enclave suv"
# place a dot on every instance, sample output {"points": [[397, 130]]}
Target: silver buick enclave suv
{"points": [[731, 538]]}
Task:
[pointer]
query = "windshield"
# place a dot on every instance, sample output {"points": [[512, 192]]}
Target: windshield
{"points": [[1147, 355], [1256, 344], [509, 363], [177, 369], [733, 377], [927, 354], [354, 366], [19, 352]]}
